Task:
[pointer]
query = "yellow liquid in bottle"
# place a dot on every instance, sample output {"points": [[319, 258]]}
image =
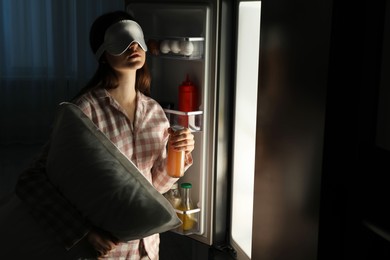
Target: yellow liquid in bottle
{"points": [[188, 220]]}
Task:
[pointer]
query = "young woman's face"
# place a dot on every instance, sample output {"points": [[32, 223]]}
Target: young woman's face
{"points": [[132, 59]]}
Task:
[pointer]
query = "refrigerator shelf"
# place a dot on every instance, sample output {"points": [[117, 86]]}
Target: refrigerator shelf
{"points": [[187, 212], [178, 57], [182, 48], [191, 120], [190, 219]]}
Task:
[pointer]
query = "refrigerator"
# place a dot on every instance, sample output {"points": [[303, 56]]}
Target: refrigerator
{"points": [[170, 25], [209, 28], [258, 124]]}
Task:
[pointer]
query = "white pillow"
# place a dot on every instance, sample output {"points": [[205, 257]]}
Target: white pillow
{"points": [[101, 182]]}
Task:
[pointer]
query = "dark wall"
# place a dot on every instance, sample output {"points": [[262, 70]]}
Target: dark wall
{"points": [[354, 191]]}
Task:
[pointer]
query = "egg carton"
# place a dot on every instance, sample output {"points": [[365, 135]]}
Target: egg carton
{"points": [[177, 47]]}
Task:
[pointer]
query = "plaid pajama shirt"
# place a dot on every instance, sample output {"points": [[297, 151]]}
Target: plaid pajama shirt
{"points": [[143, 142]]}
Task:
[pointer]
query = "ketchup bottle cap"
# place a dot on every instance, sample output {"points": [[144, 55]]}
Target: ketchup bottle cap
{"points": [[187, 81]]}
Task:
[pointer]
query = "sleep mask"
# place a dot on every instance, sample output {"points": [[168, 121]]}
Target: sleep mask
{"points": [[119, 36]]}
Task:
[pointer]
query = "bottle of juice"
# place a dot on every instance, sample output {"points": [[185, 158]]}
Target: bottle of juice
{"points": [[188, 219], [173, 196], [175, 161]]}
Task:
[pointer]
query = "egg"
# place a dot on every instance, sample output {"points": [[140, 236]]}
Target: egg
{"points": [[175, 46], [186, 48], [164, 47]]}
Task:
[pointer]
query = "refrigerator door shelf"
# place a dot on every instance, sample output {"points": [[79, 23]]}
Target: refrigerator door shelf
{"points": [[187, 48], [190, 219], [191, 120]]}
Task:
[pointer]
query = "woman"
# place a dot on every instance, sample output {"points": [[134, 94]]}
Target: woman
{"points": [[117, 101]]}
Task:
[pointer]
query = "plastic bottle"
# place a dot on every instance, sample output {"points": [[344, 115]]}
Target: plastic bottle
{"points": [[188, 99], [188, 219], [173, 196], [187, 96], [175, 160]]}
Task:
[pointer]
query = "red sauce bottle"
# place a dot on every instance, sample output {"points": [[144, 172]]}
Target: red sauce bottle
{"points": [[187, 96], [188, 100]]}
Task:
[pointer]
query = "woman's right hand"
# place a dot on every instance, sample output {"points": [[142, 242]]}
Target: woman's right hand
{"points": [[102, 243]]}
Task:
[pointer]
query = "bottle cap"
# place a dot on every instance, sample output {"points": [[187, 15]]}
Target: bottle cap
{"points": [[176, 127], [186, 185], [187, 81]]}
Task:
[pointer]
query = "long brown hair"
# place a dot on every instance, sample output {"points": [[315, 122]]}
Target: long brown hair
{"points": [[105, 76]]}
